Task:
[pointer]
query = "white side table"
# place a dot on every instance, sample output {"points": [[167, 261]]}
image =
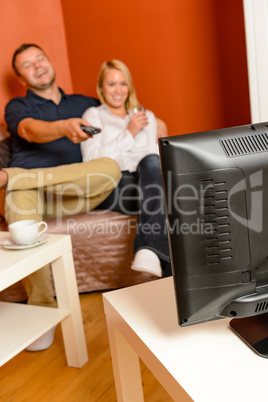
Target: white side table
{"points": [[22, 324], [205, 362]]}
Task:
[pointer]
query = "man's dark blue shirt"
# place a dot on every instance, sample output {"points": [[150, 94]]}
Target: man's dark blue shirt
{"points": [[37, 155]]}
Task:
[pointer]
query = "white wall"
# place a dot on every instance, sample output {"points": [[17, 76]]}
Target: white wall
{"points": [[256, 27]]}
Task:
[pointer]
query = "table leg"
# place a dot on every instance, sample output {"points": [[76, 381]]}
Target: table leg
{"points": [[126, 367], [68, 299]]}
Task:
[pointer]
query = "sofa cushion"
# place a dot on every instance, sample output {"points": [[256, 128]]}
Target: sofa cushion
{"points": [[5, 153], [2, 205], [102, 248]]}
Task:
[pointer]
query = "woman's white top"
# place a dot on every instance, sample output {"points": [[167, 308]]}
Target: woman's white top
{"points": [[115, 141]]}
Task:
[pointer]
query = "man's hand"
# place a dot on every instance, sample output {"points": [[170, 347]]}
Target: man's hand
{"points": [[72, 130], [137, 122]]}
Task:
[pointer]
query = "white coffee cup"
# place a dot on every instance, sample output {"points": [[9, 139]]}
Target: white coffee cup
{"points": [[26, 232]]}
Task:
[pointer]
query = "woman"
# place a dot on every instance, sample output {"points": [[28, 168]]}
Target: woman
{"points": [[129, 136]]}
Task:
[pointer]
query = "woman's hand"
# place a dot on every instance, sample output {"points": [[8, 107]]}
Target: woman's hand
{"points": [[137, 122]]}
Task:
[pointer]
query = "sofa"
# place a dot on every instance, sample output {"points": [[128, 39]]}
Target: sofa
{"points": [[102, 245]]}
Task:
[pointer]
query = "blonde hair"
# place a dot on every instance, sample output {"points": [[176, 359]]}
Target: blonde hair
{"points": [[132, 100]]}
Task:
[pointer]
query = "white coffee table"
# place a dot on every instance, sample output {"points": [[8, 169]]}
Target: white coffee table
{"points": [[206, 362], [22, 324]]}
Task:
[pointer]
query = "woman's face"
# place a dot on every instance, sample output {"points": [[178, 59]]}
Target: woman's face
{"points": [[115, 89]]}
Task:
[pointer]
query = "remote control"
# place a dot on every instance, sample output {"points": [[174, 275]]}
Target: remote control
{"points": [[90, 130]]}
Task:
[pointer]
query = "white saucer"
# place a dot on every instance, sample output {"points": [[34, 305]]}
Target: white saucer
{"points": [[9, 244]]}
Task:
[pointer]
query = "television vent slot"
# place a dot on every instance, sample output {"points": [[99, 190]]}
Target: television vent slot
{"points": [[245, 145], [223, 217], [262, 306], [221, 192], [211, 239], [218, 243], [222, 209]]}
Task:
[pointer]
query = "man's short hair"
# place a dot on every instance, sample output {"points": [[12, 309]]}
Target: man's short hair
{"points": [[21, 49]]}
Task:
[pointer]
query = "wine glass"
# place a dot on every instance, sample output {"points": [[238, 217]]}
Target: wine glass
{"points": [[136, 109]]}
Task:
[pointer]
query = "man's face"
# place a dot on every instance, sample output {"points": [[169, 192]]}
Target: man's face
{"points": [[35, 69]]}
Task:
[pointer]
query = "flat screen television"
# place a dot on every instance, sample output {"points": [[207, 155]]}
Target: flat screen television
{"points": [[216, 202]]}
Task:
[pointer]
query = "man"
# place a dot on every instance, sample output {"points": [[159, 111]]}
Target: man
{"points": [[47, 178]]}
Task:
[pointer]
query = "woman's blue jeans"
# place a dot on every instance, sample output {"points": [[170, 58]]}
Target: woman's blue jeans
{"points": [[141, 193]]}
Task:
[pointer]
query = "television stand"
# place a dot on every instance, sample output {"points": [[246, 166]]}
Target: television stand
{"points": [[253, 331]]}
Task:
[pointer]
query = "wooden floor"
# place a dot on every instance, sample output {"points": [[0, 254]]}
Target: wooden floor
{"points": [[44, 376]]}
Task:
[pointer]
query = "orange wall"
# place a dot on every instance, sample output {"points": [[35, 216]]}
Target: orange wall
{"points": [[31, 21], [187, 57]]}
